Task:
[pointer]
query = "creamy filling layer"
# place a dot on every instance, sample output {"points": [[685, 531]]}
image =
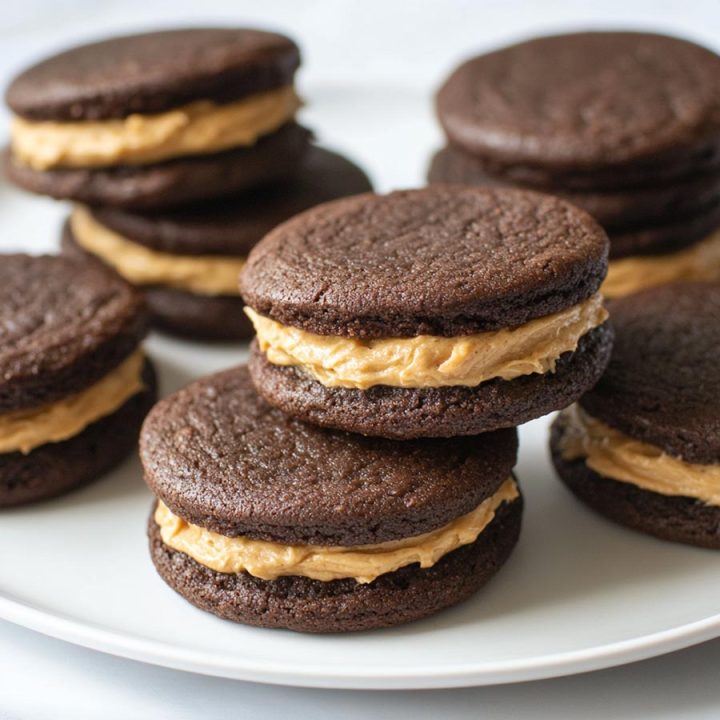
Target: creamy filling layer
{"points": [[198, 128], [700, 262], [199, 274], [429, 360], [615, 455], [24, 430], [270, 560]]}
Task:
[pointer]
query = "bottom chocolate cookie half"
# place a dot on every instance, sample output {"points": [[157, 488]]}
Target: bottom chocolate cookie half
{"points": [[674, 518], [56, 468], [173, 182], [306, 605], [404, 413]]}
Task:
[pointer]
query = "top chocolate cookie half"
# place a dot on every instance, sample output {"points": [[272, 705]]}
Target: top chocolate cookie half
{"points": [[220, 457], [445, 260], [663, 379], [63, 325], [153, 72], [587, 102]]}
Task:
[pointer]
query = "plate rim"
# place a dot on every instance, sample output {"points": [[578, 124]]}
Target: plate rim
{"points": [[155, 652]]}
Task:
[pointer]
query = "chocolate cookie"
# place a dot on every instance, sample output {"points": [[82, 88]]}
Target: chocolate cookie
{"points": [[598, 109], [625, 125], [219, 458], [157, 119], [74, 386], [64, 324], [153, 72], [643, 447], [217, 232], [424, 313], [173, 182]]}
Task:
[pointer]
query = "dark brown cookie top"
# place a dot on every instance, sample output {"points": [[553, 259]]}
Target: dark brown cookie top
{"points": [[220, 457], [153, 72], [663, 379], [64, 323], [234, 225], [594, 99], [444, 260]]}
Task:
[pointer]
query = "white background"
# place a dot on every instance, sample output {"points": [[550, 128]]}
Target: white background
{"points": [[345, 42]]}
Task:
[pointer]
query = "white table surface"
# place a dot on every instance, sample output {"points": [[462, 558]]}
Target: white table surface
{"points": [[383, 42]]}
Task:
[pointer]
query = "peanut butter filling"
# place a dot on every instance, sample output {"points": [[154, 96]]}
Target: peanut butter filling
{"points": [[429, 360], [200, 274], [364, 563], [24, 430], [700, 262], [198, 128], [614, 455]]}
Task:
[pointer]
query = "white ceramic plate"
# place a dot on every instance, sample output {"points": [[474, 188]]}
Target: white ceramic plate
{"points": [[578, 594]]}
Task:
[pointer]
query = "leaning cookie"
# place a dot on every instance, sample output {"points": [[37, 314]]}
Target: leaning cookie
{"points": [[265, 520], [157, 119], [188, 259], [429, 313], [643, 447], [74, 383]]}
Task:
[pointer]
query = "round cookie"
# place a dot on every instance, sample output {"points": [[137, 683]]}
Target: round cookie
{"points": [[219, 457], [63, 325], [153, 72], [598, 109], [157, 119], [227, 227], [653, 415], [75, 386], [173, 182], [415, 268]]}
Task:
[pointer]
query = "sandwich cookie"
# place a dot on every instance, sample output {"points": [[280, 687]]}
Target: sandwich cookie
{"points": [[188, 259], [157, 119], [643, 447], [74, 383], [438, 312], [625, 125], [265, 520]]}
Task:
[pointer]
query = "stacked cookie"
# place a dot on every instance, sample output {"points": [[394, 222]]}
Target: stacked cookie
{"points": [[625, 125], [182, 149], [359, 474], [74, 382]]}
